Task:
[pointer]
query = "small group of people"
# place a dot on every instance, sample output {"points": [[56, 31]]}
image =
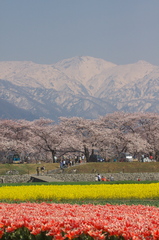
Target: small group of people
{"points": [[69, 161], [79, 159], [42, 169], [98, 177], [66, 163]]}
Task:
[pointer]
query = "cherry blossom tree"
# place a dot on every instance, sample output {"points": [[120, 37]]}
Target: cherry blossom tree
{"points": [[14, 136], [52, 138], [85, 133], [114, 133], [126, 133]]}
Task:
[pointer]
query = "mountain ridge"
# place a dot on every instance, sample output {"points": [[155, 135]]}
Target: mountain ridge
{"points": [[81, 86]]}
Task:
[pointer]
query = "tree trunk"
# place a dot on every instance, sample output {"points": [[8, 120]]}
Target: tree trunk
{"points": [[53, 152], [86, 153]]}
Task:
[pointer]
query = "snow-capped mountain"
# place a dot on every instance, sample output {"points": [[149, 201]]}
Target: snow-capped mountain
{"points": [[81, 86]]}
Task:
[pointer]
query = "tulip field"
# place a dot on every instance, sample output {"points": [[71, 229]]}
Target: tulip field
{"points": [[32, 212]]}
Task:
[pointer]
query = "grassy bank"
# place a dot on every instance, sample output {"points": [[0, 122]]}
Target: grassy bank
{"points": [[110, 167], [116, 167], [26, 168]]}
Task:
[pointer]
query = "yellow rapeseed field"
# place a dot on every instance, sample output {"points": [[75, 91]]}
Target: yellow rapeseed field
{"points": [[59, 192]]}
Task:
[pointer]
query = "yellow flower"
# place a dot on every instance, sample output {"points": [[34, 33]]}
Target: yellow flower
{"points": [[102, 191]]}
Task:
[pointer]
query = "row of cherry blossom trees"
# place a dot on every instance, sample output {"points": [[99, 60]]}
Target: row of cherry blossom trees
{"points": [[136, 133]]}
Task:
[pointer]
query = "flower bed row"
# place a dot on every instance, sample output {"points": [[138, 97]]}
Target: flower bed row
{"points": [[60, 192], [65, 221]]}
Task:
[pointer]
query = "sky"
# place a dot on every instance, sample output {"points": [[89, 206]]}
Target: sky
{"points": [[48, 31]]}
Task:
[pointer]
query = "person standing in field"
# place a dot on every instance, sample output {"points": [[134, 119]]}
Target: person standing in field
{"points": [[37, 170], [99, 177], [42, 170]]}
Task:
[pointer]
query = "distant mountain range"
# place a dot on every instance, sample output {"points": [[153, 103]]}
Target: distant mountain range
{"points": [[81, 86]]}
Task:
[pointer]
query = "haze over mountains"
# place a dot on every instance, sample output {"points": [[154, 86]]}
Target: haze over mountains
{"points": [[81, 86]]}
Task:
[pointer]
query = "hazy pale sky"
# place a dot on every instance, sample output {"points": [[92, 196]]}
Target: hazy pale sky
{"points": [[47, 31]]}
